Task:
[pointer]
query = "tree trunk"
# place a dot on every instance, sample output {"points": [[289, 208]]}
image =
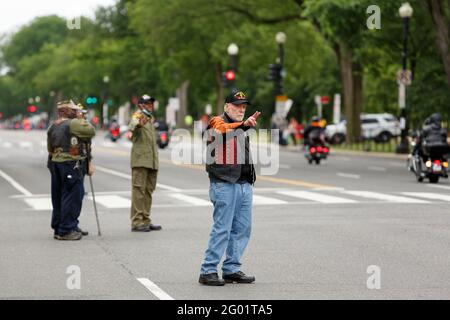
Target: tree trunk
{"points": [[351, 75], [182, 93], [219, 90], [441, 23]]}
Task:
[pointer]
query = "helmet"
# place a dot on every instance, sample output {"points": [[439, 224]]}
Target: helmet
{"points": [[315, 119]]}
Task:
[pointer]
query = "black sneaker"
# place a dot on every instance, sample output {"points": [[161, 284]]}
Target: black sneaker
{"points": [[56, 236], [140, 229], [153, 227], [83, 233], [238, 277], [211, 279], [71, 236]]}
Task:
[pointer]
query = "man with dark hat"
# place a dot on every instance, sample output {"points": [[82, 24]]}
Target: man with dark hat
{"points": [[144, 165], [232, 176], [67, 143]]}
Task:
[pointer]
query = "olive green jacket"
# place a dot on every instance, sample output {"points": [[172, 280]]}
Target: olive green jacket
{"points": [[80, 128], [144, 152]]}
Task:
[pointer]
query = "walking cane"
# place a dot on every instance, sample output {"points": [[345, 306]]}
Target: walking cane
{"points": [[95, 206], [92, 190]]}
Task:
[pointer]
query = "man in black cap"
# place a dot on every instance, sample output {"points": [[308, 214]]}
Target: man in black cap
{"points": [[232, 176], [144, 165]]}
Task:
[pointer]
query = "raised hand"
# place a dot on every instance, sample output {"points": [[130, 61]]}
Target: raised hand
{"points": [[251, 121]]}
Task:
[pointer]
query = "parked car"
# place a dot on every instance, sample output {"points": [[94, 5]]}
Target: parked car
{"points": [[380, 127]]}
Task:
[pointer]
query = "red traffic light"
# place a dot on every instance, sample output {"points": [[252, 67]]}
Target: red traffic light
{"points": [[32, 109], [230, 75], [1, 115]]}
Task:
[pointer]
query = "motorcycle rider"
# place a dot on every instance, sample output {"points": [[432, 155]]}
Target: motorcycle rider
{"points": [[431, 134], [314, 133]]}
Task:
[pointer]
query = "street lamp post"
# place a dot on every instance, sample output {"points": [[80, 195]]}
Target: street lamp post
{"points": [[105, 101], [405, 12], [233, 51], [280, 39]]}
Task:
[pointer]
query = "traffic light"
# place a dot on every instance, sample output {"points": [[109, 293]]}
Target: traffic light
{"points": [[228, 78], [32, 109], [275, 72], [91, 100]]}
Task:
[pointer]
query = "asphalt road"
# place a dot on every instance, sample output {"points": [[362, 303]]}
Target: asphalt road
{"points": [[317, 230]]}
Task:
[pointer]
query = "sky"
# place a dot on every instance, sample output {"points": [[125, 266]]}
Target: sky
{"points": [[14, 13]]}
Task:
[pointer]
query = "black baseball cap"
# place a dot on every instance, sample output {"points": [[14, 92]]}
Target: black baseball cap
{"points": [[146, 99], [237, 97]]}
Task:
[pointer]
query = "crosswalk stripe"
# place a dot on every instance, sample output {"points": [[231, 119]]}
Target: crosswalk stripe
{"points": [[191, 200], [261, 200], [318, 197], [382, 196], [428, 195], [112, 201], [39, 204]]}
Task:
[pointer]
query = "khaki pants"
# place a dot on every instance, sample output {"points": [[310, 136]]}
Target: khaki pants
{"points": [[143, 183]]}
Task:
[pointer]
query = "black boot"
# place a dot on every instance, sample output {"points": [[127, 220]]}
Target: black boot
{"points": [[238, 277], [211, 279]]}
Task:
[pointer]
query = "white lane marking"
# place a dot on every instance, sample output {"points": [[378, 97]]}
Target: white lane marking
{"points": [[108, 144], [316, 197], [112, 201], [343, 158], [40, 203], [26, 144], [7, 144], [191, 200], [437, 186], [428, 195], [285, 166], [382, 196], [348, 175], [261, 200], [396, 164], [381, 169], [154, 289], [128, 176], [15, 184]]}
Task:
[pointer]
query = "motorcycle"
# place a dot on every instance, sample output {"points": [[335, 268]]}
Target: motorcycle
{"points": [[162, 132], [432, 164], [163, 139], [114, 133], [316, 153]]}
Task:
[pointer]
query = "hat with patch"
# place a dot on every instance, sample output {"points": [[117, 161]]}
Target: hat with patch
{"points": [[67, 104], [146, 99], [237, 97]]}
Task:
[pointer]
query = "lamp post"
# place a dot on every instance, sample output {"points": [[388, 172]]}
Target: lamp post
{"points": [[230, 75], [405, 12], [105, 101]]}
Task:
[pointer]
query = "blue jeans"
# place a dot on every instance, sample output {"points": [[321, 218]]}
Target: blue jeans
{"points": [[232, 226]]}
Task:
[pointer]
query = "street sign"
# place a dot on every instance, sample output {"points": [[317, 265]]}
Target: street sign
{"points": [[402, 95], [404, 77], [325, 100], [337, 109]]}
